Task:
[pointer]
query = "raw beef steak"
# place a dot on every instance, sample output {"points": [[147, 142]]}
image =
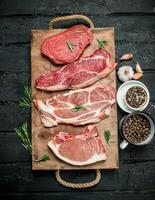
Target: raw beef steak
{"points": [[79, 149], [79, 107], [67, 46], [80, 74]]}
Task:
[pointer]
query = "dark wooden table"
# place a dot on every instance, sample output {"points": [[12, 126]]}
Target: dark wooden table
{"points": [[134, 22]]}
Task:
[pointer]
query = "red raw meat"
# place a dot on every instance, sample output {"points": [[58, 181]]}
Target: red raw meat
{"points": [[80, 74], [56, 47], [79, 107], [79, 149]]}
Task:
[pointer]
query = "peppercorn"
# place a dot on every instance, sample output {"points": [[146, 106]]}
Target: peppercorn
{"points": [[136, 97], [136, 128]]}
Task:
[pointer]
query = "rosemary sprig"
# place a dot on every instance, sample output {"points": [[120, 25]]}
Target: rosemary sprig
{"points": [[107, 136], [26, 100], [78, 107], [22, 133], [70, 46], [101, 43], [43, 158]]}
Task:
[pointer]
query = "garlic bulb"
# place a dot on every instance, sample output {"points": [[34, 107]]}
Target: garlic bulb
{"points": [[125, 73]]}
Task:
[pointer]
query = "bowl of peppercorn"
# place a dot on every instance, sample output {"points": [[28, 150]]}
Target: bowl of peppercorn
{"points": [[137, 97], [136, 128], [133, 96]]}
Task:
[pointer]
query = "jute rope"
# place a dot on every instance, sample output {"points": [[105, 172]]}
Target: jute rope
{"points": [[69, 17], [78, 185], [57, 173]]}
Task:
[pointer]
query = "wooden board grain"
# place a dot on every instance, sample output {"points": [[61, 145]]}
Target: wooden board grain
{"points": [[41, 135]]}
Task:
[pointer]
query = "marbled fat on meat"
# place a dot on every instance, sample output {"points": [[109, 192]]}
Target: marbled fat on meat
{"points": [[80, 74], [79, 149], [96, 103]]}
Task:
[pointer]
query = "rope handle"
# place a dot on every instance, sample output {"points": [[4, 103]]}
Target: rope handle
{"points": [[78, 185], [69, 17]]}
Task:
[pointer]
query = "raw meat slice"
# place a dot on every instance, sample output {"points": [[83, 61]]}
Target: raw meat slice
{"points": [[67, 46], [79, 149], [80, 74], [83, 106]]}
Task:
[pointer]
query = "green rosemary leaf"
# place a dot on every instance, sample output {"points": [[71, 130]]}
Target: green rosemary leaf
{"points": [[70, 46], [24, 129], [101, 43], [27, 91], [18, 133], [23, 134], [78, 107], [25, 146], [43, 158], [107, 136], [26, 100]]}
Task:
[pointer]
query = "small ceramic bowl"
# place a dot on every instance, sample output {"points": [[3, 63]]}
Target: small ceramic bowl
{"points": [[121, 93], [144, 105]]}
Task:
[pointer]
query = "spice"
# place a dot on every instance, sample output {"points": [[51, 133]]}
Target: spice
{"points": [[125, 73], [136, 128], [43, 158], [26, 99], [138, 68], [101, 43], [126, 56], [107, 136], [70, 46], [137, 76], [139, 72], [78, 107], [136, 97], [24, 135]]}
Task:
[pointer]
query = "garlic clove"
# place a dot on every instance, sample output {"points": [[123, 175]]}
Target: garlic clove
{"points": [[126, 56], [138, 68], [137, 75]]}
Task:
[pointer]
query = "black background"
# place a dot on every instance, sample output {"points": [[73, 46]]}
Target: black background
{"points": [[134, 23]]}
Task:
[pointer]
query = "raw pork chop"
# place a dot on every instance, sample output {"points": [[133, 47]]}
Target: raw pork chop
{"points": [[80, 74], [67, 46], [83, 106], [79, 149]]}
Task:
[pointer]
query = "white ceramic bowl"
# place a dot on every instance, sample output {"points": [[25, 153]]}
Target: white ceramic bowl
{"points": [[142, 107], [122, 92]]}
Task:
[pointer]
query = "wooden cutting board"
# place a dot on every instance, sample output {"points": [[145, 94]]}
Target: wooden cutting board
{"points": [[41, 135]]}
